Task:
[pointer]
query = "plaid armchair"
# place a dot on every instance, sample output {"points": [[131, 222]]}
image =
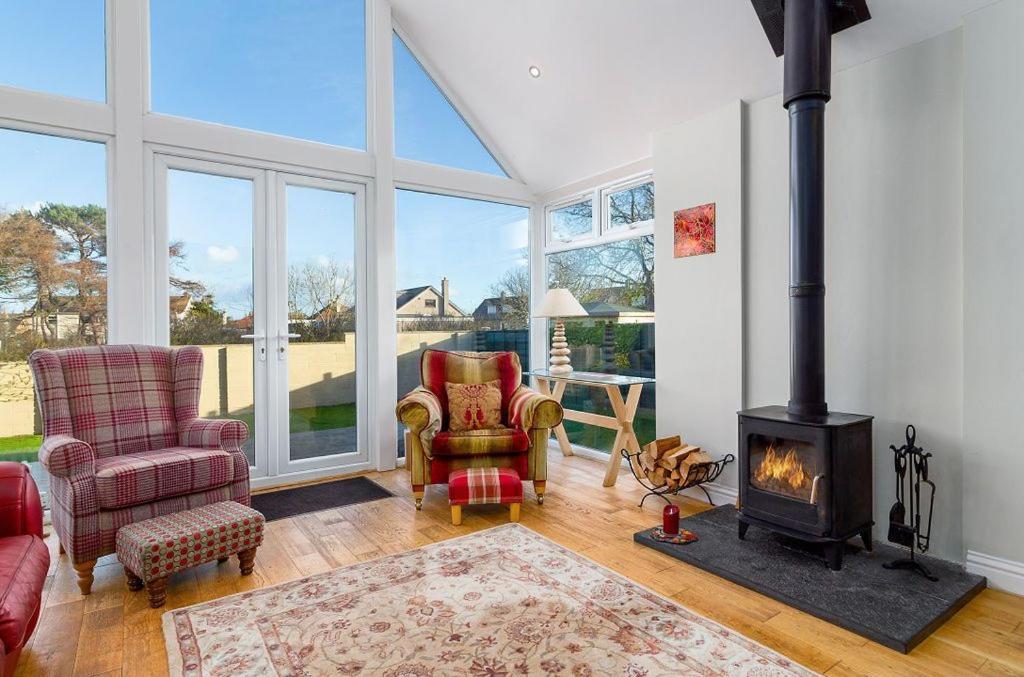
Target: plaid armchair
{"points": [[122, 442], [432, 451]]}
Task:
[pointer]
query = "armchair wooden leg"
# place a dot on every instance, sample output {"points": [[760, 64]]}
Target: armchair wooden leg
{"points": [[60, 549], [417, 494], [539, 487], [456, 515], [85, 577], [513, 512]]}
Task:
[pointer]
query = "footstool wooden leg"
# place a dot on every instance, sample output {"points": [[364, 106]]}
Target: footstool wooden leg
{"points": [[134, 582], [513, 512], [221, 560], [246, 558], [85, 577], [456, 515], [157, 589]]}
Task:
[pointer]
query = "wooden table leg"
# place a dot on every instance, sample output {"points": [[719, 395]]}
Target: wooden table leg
{"points": [[625, 412], [559, 430]]}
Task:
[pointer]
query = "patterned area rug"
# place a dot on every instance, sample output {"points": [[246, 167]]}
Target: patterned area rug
{"points": [[497, 603]]}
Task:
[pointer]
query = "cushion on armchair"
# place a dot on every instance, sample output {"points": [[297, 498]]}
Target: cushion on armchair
{"points": [[132, 479], [474, 406]]}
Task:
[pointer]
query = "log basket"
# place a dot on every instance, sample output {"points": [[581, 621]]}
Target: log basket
{"points": [[698, 475]]}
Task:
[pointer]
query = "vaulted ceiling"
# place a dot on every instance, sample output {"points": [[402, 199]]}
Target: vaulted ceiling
{"points": [[615, 71]]}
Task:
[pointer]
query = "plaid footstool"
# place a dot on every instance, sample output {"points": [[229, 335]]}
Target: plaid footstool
{"points": [[154, 549], [477, 486]]}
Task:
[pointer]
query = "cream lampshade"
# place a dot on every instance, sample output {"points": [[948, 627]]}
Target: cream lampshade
{"points": [[559, 303]]}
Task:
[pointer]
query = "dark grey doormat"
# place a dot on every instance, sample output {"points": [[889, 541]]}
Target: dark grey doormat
{"points": [[277, 505], [895, 608]]}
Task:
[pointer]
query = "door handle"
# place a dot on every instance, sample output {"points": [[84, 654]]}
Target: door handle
{"points": [[282, 343], [260, 343]]}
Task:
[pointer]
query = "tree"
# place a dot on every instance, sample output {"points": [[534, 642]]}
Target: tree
{"points": [[31, 275], [82, 233], [178, 263], [513, 288], [618, 272], [321, 299]]}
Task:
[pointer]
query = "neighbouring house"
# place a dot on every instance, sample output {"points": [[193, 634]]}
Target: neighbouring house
{"points": [[619, 314], [180, 306], [427, 303]]}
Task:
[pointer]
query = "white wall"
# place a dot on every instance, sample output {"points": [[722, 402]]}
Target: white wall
{"points": [[699, 298], [994, 281], [893, 263], [894, 322]]}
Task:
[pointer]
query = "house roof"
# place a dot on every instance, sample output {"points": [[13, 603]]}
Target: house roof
{"points": [[180, 303], [602, 309], [404, 296]]}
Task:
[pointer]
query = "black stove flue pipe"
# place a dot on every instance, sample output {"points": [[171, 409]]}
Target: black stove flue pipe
{"points": [[806, 90]]}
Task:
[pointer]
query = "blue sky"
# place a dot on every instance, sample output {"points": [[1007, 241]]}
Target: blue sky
{"points": [[209, 62]]}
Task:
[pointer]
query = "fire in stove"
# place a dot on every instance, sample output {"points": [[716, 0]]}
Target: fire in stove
{"points": [[784, 472]]}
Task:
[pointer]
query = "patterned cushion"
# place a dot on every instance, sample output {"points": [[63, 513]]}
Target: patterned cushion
{"points": [[473, 406], [438, 367], [161, 546], [118, 399], [475, 486], [131, 479], [473, 442]]}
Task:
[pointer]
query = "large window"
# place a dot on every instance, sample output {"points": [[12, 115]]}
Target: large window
{"points": [[56, 46], [53, 268], [613, 278], [294, 67], [427, 126], [463, 278]]}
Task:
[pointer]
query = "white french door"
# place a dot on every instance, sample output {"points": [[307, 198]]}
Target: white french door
{"points": [[265, 271]]}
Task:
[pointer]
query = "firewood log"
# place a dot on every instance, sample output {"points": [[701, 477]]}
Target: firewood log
{"points": [[659, 448], [680, 454]]}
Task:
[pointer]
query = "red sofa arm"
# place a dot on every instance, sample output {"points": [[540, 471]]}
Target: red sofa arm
{"points": [[213, 433], [21, 511]]}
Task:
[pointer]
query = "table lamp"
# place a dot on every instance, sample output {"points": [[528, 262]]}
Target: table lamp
{"points": [[559, 303]]}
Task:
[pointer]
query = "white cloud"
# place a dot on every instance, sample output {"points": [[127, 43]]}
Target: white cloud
{"points": [[222, 254]]}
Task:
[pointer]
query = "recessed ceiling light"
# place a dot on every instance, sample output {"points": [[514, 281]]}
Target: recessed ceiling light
{"points": [[534, 71]]}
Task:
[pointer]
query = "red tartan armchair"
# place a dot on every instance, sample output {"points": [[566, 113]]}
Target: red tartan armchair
{"points": [[122, 442], [432, 451]]}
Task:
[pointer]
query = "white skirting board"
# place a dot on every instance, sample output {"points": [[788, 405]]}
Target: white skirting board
{"points": [[1002, 574]]}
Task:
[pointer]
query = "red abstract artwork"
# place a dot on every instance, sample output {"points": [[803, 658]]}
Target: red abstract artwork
{"points": [[695, 230]]}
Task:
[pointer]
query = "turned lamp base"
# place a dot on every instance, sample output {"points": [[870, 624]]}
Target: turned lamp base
{"points": [[559, 363]]}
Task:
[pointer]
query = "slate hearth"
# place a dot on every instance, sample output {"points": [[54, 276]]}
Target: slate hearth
{"points": [[898, 609]]}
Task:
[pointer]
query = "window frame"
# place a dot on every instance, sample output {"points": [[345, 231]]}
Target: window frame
{"points": [[602, 230], [606, 198]]}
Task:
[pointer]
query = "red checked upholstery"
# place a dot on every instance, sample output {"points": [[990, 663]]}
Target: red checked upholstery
{"points": [[123, 441], [433, 450], [124, 481], [24, 560], [476, 486]]}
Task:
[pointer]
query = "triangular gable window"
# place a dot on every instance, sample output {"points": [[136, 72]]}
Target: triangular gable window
{"points": [[427, 126]]}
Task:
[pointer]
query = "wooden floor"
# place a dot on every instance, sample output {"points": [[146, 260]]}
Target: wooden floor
{"points": [[113, 632]]}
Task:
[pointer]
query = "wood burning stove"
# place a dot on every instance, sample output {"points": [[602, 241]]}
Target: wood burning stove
{"points": [[806, 479], [805, 471]]}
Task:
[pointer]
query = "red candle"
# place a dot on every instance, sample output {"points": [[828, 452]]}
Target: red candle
{"points": [[671, 520]]}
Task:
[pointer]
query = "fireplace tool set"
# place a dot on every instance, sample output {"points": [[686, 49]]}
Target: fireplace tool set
{"points": [[911, 463]]}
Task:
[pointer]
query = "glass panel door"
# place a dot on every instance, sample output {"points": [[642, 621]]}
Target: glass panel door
{"points": [[320, 225], [212, 217]]}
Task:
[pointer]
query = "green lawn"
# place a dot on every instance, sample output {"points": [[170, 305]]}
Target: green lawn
{"points": [[20, 447], [601, 439], [26, 447], [310, 418]]}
